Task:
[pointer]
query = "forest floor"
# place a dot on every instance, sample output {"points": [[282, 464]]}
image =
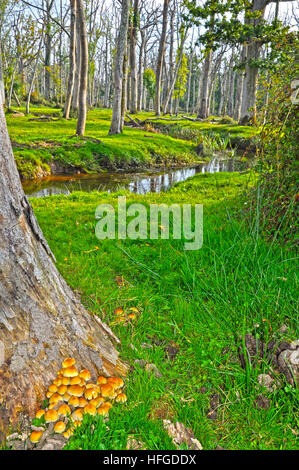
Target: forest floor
{"points": [[44, 142], [193, 310]]}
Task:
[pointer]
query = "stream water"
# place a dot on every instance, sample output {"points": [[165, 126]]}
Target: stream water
{"points": [[139, 183]]}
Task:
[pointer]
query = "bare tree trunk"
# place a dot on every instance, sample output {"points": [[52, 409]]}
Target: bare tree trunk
{"points": [[33, 76], [42, 321], [178, 64], [125, 86], [16, 98], [75, 97], [71, 79], [240, 84], [82, 109], [140, 77], [161, 53], [116, 121], [204, 92], [48, 48], [107, 75], [231, 88], [11, 88], [189, 81], [248, 107], [171, 59], [2, 92], [133, 41]]}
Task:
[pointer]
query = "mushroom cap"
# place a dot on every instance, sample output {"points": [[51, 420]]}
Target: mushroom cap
{"points": [[103, 410], [75, 380], [67, 434], [51, 416], [62, 389], [68, 362], [74, 401], [57, 382], [92, 385], [66, 397], [91, 393], [35, 436], [55, 398], [70, 372], [39, 413], [107, 391], [65, 380], [77, 415], [90, 409], [97, 401], [59, 427], [117, 382], [131, 316], [101, 380], [82, 402], [52, 388], [64, 410], [75, 390], [52, 405], [121, 398], [85, 374], [118, 311]]}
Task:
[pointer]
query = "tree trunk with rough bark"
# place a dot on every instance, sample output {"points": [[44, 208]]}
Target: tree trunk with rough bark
{"points": [[133, 67], [48, 48], [204, 91], [161, 54], [140, 76], [116, 122], [239, 86], [71, 77], [41, 320], [75, 97], [82, 105], [2, 92], [248, 107]]}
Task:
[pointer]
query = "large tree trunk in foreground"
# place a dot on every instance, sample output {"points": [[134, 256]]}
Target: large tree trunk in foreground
{"points": [[41, 320]]}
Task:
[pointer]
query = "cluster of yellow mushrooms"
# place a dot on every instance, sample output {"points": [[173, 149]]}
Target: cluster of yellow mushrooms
{"points": [[71, 396]]}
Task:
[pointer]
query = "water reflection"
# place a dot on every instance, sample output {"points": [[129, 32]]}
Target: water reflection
{"points": [[139, 183]]}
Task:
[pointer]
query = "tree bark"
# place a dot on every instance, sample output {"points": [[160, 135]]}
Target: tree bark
{"points": [[204, 91], [116, 121], [71, 78], [133, 41], [48, 48], [2, 92], [140, 77], [240, 84], [41, 320], [161, 53], [248, 106], [82, 108], [75, 97], [33, 77]]}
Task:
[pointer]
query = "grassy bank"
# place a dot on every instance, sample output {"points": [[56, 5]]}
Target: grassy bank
{"points": [[43, 139], [193, 308]]}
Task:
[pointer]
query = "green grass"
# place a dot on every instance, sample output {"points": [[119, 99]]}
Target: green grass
{"points": [[36, 143], [198, 301]]}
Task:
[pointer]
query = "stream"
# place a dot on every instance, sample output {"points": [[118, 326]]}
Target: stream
{"points": [[139, 183]]}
